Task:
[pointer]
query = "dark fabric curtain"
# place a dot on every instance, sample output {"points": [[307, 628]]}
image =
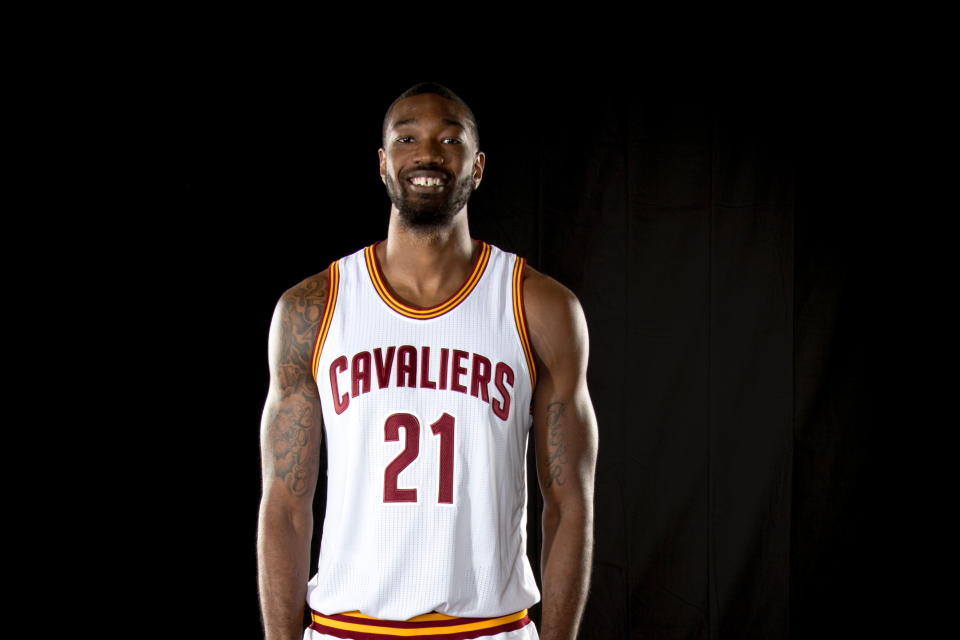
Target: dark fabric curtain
{"points": [[709, 239], [673, 222]]}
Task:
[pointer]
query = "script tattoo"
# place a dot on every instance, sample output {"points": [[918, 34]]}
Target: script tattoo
{"points": [[291, 446], [298, 330], [298, 409], [557, 450]]}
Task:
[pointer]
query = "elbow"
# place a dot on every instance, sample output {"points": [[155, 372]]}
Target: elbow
{"points": [[571, 512], [551, 517], [281, 514]]}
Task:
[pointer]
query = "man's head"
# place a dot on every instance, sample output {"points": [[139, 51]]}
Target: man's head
{"points": [[430, 161], [443, 92]]}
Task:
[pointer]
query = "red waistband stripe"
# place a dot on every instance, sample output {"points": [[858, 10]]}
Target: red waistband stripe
{"points": [[356, 626]]}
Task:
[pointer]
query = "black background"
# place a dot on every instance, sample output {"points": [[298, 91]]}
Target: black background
{"points": [[718, 234]]}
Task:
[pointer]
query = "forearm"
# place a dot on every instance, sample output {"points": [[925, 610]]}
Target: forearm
{"points": [[283, 558], [566, 562]]}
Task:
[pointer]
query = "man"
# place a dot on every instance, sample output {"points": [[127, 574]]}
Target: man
{"points": [[425, 355]]}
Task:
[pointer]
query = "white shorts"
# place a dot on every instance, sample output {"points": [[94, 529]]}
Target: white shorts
{"points": [[363, 628]]}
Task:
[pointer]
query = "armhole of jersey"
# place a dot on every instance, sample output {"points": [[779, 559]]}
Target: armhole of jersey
{"points": [[520, 316], [327, 316]]}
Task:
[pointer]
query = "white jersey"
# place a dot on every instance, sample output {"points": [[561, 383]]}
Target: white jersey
{"points": [[426, 413]]}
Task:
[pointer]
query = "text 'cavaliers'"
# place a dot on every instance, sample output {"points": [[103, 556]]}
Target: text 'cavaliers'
{"points": [[480, 373]]}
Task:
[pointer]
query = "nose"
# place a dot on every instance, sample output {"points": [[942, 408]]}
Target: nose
{"points": [[429, 151]]}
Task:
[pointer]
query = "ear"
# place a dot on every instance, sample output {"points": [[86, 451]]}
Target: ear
{"points": [[383, 165], [478, 165]]}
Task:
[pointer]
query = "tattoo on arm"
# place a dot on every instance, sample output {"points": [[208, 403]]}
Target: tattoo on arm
{"points": [[298, 411], [298, 332], [292, 446], [556, 449]]}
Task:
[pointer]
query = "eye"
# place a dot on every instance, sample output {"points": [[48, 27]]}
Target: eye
{"points": [[404, 139], [453, 141]]}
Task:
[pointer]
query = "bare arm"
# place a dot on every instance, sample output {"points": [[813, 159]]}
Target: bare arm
{"points": [[565, 433], [290, 433]]}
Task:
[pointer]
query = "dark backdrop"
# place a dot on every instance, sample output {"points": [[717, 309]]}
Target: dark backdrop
{"points": [[720, 245]]}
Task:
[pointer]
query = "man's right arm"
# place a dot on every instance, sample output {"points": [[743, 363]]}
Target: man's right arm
{"points": [[290, 433]]}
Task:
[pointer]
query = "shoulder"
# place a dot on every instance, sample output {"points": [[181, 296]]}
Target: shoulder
{"points": [[557, 325], [307, 297], [300, 308], [543, 293], [296, 320]]}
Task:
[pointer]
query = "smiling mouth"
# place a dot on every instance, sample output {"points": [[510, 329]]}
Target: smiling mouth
{"points": [[423, 181]]}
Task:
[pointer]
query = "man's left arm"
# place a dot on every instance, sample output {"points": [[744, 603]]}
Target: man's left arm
{"points": [[565, 435]]}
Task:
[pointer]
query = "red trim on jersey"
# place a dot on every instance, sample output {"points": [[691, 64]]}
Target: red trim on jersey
{"points": [[520, 316], [333, 288], [396, 624], [444, 629], [425, 313]]}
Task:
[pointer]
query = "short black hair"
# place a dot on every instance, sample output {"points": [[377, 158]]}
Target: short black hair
{"points": [[443, 92]]}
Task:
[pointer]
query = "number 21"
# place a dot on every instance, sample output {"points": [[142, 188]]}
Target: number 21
{"points": [[411, 449]]}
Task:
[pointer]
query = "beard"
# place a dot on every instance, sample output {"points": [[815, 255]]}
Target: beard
{"points": [[430, 212]]}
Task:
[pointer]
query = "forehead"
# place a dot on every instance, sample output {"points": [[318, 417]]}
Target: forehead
{"points": [[427, 108]]}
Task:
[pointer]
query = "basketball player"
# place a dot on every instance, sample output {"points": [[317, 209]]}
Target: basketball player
{"points": [[429, 356]]}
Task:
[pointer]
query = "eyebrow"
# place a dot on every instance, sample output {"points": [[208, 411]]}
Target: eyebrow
{"points": [[453, 123]]}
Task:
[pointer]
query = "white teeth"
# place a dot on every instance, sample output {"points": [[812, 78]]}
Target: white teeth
{"points": [[426, 182]]}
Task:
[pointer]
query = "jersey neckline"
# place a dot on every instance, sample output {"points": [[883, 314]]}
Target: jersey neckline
{"points": [[424, 313]]}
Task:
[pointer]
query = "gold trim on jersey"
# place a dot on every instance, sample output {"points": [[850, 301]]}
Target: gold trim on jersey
{"points": [[417, 313], [519, 314], [367, 629], [327, 316]]}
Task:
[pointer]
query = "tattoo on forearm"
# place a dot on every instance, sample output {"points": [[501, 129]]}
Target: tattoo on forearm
{"points": [[298, 331], [292, 446], [556, 449]]}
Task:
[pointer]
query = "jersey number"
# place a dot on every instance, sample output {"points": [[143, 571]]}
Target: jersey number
{"points": [[411, 449]]}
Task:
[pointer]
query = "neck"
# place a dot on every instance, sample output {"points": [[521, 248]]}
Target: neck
{"points": [[426, 268]]}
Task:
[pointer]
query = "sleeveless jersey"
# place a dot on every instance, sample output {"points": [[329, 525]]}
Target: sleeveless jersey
{"points": [[426, 414]]}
